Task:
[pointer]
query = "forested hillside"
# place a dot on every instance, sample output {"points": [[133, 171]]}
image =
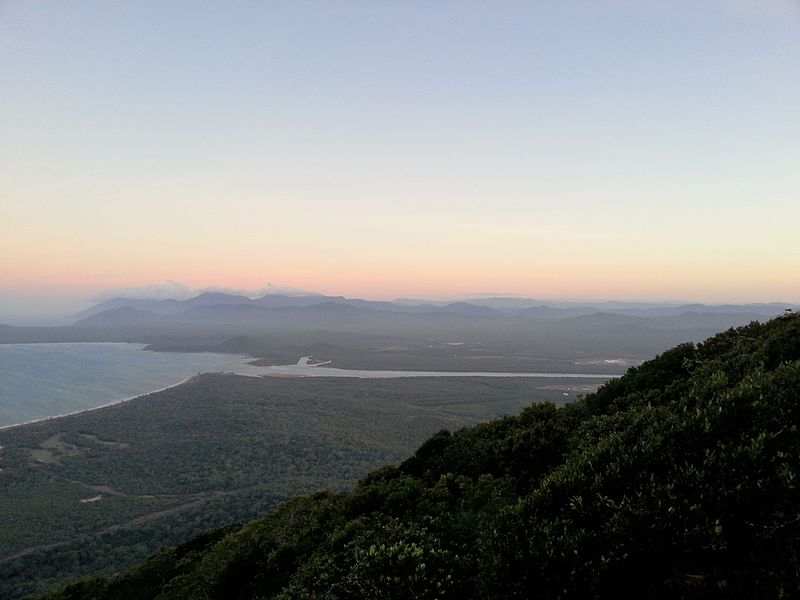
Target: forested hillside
{"points": [[216, 450], [677, 480]]}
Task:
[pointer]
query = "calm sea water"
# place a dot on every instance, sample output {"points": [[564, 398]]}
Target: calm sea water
{"points": [[45, 380]]}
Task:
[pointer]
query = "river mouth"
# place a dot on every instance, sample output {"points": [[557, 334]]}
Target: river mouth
{"points": [[305, 368]]}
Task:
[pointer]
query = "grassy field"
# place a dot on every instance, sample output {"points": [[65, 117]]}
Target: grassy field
{"points": [[98, 491]]}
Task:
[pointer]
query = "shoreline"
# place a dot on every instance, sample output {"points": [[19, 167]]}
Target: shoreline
{"points": [[240, 360], [277, 375], [112, 403], [303, 369]]}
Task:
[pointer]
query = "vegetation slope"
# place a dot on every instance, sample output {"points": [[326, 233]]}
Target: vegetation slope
{"points": [[677, 480], [96, 493]]}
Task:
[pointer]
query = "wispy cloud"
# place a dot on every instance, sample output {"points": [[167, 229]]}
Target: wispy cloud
{"points": [[179, 291], [274, 289], [159, 291]]}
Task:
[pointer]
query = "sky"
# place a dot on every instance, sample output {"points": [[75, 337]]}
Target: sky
{"points": [[587, 149]]}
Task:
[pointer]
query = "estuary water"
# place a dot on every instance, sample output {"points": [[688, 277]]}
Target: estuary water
{"points": [[306, 368], [38, 381]]}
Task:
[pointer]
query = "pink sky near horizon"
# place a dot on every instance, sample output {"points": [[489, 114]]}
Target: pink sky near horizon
{"points": [[589, 150], [52, 296]]}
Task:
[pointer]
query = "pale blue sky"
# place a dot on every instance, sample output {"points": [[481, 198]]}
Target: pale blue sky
{"points": [[545, 148]]}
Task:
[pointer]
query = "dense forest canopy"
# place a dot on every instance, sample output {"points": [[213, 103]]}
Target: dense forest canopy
{"points": [[216, 450], [677, 480]]}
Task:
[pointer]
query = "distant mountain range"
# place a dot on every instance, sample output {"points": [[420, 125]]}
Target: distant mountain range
{"points": [[399, 333], [220, 304]]}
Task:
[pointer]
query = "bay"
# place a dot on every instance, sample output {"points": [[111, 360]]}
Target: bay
{"points": [[38, 381]]}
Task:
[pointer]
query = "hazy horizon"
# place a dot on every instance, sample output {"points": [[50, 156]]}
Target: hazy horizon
{"points": [[589, 150], [49, 310]]}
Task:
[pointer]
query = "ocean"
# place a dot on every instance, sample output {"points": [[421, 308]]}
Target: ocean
{"points": [[38, 381]]}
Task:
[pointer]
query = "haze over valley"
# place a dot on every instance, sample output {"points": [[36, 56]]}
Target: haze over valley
{"points": [[493, 333]]}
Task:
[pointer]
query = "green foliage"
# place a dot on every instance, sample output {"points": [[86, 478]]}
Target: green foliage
{"points": [[678, 481], [217, 450]]}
